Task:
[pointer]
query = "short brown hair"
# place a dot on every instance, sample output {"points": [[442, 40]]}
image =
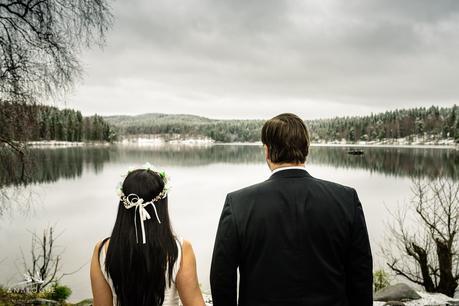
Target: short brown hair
{"points": [[287, 139]]}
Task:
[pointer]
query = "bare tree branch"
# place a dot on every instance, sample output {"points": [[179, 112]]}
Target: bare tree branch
{"points": [[431, 246], [45, 262], [40, 41]]}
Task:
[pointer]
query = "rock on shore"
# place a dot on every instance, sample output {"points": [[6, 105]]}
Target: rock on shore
{"points": [[430, 299], [403, 295]]}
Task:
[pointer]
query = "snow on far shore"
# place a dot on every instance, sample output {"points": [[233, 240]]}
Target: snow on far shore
{"points": [[55, 143], [158, 140], [422, 142]]}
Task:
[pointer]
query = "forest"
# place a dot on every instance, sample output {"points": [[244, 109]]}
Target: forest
{"points": [[436, 122], [26, 122], [442, 123]]}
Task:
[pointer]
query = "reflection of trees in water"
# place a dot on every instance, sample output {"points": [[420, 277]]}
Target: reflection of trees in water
{"points": [[417, 162], [49, 165], [42, 166], [193, 155], [425, 162]]}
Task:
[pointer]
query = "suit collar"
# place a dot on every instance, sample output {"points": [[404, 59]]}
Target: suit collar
{"points": [[288, 168], [290, 173]]}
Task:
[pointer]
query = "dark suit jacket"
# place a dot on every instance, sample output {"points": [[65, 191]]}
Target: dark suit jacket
{"points": [[297, 240]]}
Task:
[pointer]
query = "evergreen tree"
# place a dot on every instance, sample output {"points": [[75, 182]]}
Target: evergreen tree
{"points": [[23, 122]]}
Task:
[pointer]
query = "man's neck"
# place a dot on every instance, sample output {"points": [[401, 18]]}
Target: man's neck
{"points": [[285, 165]]}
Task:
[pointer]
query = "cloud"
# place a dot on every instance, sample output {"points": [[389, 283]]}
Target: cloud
{"points": [[254, 58]]}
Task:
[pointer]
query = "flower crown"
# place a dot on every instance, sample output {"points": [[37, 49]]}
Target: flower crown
{"points": [[134, 201], [150, 167]]}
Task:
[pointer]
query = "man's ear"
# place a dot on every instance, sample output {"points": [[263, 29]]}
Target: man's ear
{"points": [[268, 160]]}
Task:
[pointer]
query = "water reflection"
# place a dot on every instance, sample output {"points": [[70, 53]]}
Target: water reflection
{"points": [[190, 156], [49, 165], [401, 162]]}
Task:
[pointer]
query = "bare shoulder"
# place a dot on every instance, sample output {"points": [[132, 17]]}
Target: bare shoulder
{"points": [[95, 254], [98, 246], [188, 256], [95, 268], [187, 278], [187, 251], [186, 246], [188, 261]]}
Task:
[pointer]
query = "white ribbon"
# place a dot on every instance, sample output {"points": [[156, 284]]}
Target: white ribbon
{"points": [[137, 202]]}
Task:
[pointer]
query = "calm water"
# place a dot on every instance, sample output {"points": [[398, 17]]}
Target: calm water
{"points": [[74, 189]]}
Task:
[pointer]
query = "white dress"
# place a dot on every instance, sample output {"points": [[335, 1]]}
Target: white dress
{"points": [[171, 297]]}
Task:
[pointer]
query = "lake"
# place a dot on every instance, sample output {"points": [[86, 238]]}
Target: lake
{"points": [[74, 189]]}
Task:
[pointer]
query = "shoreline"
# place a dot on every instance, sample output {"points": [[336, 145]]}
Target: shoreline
{"points": [[191, 142], [63, 144], [413, 146]]}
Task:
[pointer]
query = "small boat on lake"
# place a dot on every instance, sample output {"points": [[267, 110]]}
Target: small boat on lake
{"points": [[355, 152]]}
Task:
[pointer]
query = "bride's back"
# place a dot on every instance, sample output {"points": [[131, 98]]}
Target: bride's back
{"points": [[143, 263], [171, 297]]}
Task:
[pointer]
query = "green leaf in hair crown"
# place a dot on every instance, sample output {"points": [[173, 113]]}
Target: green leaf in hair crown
{"points": [[147, 166]]}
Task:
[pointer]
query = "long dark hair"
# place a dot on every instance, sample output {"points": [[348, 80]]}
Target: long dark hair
{"points": [[138, 271]]}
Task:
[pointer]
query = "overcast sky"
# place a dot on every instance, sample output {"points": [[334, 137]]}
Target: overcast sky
{"points": [[254, 59]]}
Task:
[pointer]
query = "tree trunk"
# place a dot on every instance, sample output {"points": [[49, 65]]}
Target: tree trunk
{"points": [[424, 265], [447, 284]]}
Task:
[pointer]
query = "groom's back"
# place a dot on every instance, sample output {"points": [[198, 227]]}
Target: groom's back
{"points": [[295, 239], [295, 232]]}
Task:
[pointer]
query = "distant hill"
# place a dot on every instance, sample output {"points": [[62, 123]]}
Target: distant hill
{"points": [[188, 126], [432, 124], [147, 119]]}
